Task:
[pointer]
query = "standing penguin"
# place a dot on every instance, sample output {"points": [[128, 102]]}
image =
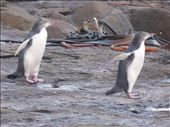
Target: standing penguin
{"points": [[31, 52], [130, 65]]}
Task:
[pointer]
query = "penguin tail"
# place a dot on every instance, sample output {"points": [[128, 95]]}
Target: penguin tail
{"points": [[113, 91], [12, 76]]}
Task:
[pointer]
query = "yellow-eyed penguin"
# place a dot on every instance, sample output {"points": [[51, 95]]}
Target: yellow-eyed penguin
{"points": [[130, 65], [31, 52], [99, 26]]}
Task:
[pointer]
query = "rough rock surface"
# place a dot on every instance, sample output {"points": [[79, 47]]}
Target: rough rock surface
{"points": [[17, 18], [53, 13], [91, 10], [76, 81], [102, 11], [79, 78], [118, 21], [152, 20], [60, 29]]}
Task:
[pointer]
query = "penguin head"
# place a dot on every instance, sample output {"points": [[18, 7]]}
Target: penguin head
{"points": [[44, 23], [95, 20], [145, 35], [141, 37], [40, 24]]}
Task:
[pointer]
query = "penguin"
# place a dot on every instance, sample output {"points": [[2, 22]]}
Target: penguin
{"points": [[98, 26], [130, 65], [85, 27], [31, 52]]}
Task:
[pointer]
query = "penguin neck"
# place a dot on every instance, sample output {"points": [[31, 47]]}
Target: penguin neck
{"points": [[43, 31], [37, 28], [138, 42], [141, 46]]}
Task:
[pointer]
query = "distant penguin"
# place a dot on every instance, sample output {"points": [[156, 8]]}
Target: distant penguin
{"points": [[31, 52], [99, 26], [130, 65], [84, 28]]}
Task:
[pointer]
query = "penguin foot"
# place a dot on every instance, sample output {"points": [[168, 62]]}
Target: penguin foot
{"points": [[30, 81], [12, 76], [36, 79], [39, 80], [109, 92], [133, 96]]}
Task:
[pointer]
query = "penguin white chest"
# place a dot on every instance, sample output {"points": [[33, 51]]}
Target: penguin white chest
{"points": [[34, 53], [135, 67], [39, 42]]}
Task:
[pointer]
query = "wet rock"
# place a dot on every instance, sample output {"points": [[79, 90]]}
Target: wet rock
{"points": [[118, 21], [135, 111], [68, 88], [152, 20], [42, 111], [60, 29], [165, 81], [44, 86], [18, 18], [91, 10]]}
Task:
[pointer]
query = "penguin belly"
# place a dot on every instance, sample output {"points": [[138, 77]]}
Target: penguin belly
{"points": [[135, 67], [34, 54]]}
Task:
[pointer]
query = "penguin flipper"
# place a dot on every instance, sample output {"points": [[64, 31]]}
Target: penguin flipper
{"points": [[122, 56], [23, 45]]}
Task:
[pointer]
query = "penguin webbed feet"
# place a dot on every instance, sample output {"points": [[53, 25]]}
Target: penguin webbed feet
{"points": [[113, 91], [34, 80], [109, 92], [133, 95]]}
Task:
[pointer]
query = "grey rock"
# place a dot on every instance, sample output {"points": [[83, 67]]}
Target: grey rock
{"points": [[91, 10], [118, 21], [16, 17], [152, 20], [60, 29]]}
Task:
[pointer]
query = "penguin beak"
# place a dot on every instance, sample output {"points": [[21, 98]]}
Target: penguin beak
{"points": [[152, 40]]}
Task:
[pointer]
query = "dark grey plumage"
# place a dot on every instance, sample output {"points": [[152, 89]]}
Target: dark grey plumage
{"points": [[122, 82], [20, 68]]}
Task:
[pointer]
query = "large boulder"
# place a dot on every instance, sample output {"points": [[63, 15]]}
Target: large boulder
{"points": [[51, 13], [152, 20], [91, 10], [118, 21], [115, 18], [60, 29], [16, 17]]}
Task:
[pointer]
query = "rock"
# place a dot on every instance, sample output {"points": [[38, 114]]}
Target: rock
{"points": [[56, 15], [152, 20], [17, 18], [53, 14], [68, 88], [91, 10], [60, 29], [14, 34], [118, 21]]}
